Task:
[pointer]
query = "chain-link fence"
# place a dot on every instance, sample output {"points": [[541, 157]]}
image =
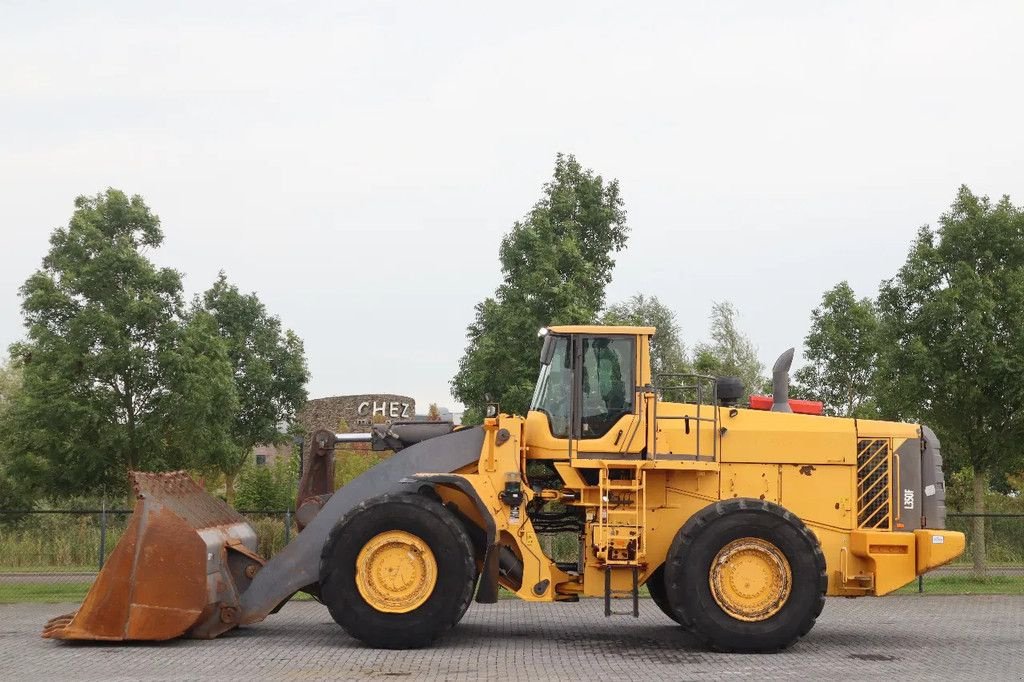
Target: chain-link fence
{"points": [[55, 555]]}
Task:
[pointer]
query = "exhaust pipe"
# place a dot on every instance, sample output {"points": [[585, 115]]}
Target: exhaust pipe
{"points": [[780, 382]]}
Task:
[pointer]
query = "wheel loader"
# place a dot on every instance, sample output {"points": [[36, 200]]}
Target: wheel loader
{"points": [[738, 519]]}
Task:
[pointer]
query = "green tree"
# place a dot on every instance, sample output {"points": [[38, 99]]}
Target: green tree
{"points": [[555, 265], [729, 352], [952, 324], [668, 354], [12, 493], [267, 488], [103, 326], [270, 374], [202, 395], [841, 350], [10, 383]]}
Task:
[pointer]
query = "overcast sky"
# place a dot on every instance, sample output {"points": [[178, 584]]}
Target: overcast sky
{"points": [[356, 164]]}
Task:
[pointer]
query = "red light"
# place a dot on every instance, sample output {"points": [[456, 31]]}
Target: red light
{"points": [[764, 402]]}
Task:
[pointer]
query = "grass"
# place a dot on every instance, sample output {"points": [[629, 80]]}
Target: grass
{"points": [[49, 570], [42, 593], [968, 584]]}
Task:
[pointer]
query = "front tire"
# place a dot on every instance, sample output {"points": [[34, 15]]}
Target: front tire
{"points": [[746, 576], [397, 571]]}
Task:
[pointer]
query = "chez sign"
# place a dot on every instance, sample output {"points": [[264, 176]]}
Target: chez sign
{"points": [[389, 409]]}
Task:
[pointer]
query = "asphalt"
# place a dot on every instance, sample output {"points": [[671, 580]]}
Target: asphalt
{"points": [[894, 638]]}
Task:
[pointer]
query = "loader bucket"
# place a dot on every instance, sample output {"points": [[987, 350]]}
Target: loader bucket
{"points": [[179, 569]]}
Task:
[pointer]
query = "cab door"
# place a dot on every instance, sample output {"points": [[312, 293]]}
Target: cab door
{"points": [[605, 415], [586, 400]]}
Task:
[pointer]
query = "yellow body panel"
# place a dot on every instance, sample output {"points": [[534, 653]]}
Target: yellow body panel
{"points": [[601, 329], [641, 481], [937, 547], [760, 436]]}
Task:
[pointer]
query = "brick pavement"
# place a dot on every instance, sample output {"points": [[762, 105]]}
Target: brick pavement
{"points": [[895, 638]]}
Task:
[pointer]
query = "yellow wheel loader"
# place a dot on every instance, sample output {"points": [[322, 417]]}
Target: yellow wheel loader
{"points": [[738, 519]]}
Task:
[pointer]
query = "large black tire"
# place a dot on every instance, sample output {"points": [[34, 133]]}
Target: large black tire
{"points": [[688, 566], [656, 587], [429, 521]]}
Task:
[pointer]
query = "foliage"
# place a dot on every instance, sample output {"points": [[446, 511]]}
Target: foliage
{"points": [[63, 541], [103, 327], [10, 383], [202, 392], [555, 265], [668, 354], [271, 487], [12, 492], [269, 369], [952, 325], [730, 352], [841, 350], [350, 463]]}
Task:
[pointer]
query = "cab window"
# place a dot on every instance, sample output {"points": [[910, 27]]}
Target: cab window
{"points": [[607, 389], [554, 388]]}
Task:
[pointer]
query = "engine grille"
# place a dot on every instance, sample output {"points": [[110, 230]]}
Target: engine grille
{"points": [[874, 495]]}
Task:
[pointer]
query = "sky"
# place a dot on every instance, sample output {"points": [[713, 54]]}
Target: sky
{"points": [[356, 163]]}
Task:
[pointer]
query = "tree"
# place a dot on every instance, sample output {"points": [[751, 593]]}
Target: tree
{"points": [[102, 328], [841, 350], [12, 493], [202, 395], [269, 368], [10, 383], [266, 488], [952, 329], [555, 265], [668, 354], [730, 352]]}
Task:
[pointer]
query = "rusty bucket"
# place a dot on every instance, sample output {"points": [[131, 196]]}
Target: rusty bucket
{"points": [[179, 569]]}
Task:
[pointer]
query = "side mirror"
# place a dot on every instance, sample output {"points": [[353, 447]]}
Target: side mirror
{"points": [[547, 351]]}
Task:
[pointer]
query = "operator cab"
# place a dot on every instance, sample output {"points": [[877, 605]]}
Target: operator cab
{"points": [[586, 398]]}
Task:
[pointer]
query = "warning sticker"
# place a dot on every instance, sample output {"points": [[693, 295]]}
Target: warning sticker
{"points": [[929, 490]]}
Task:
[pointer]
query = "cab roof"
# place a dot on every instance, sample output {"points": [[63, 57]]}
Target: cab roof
{"points": [[600, 329]]}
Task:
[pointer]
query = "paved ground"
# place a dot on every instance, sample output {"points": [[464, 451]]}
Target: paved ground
{"points": [[898, 638]]}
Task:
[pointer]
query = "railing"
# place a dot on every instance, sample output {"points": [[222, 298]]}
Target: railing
{"points": [[702, 392]]}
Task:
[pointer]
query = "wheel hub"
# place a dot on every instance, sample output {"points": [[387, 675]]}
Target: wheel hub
{"points": [[396, 572], [750, 579]]}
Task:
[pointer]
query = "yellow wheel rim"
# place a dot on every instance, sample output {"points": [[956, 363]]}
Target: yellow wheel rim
{"points": [[750, 579], [395, 572]]}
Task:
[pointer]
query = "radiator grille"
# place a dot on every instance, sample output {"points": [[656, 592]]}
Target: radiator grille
{"points": [[873, 487]]}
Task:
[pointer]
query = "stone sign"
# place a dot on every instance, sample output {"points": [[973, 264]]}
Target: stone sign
{"points": [[355, 412], [352, 413]]}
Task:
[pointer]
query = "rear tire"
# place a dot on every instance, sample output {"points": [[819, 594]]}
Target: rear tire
{"points": [[768, 607], [429, 613], [656, 587]]}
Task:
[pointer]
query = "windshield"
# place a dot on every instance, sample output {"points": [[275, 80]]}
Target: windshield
{"points": [[554, 388]]}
